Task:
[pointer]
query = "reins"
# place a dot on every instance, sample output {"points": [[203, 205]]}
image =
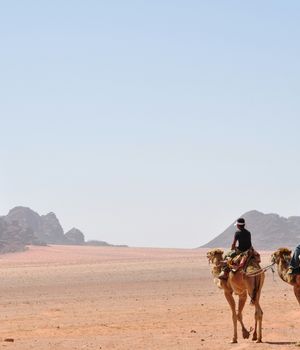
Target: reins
{"points": [[260, 271]]}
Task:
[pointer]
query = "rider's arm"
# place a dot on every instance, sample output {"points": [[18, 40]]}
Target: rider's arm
{"points": [[233, 244]]}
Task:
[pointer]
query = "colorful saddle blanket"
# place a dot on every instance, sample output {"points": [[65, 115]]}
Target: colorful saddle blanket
{"points": [[248, 260]]}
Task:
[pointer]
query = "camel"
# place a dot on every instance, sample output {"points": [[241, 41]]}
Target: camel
{"points": [[239, 283], [281, 257]]}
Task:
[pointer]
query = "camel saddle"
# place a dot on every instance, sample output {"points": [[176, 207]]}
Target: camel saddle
{"points": [[247, 261]]}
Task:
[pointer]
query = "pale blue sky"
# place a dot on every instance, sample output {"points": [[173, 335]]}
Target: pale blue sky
{"points": [[150, 123]]}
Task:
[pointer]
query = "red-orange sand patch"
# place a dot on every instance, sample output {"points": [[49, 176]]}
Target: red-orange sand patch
{"points": [[61, 297]]}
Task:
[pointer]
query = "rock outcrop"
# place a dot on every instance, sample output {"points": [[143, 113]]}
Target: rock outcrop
{"points": [[51, 230], [97, 243], [22, 226], [46, 228], [75, 237], [14, 237]]}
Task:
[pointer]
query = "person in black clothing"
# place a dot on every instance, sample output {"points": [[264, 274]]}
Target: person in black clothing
{"points": [[243, 238]]}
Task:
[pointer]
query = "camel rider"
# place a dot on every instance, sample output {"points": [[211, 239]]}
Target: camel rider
{"points": [[243, 237], [294, 267]]}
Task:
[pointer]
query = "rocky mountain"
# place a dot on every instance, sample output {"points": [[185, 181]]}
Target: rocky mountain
{"points": [[269, 231], [22, 226], [51, 230], [14, 237], [46, 228], [75, 237]]}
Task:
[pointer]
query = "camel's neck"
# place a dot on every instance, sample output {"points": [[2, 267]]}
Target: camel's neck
{"points": [[282, 268], [216, 268]]}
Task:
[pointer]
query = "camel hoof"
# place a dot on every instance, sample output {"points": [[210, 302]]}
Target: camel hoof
{"points": [[258, 341], [246, 334], [233, 341]]}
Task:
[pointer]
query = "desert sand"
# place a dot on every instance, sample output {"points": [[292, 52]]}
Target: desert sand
{"points": [[60, 297]]}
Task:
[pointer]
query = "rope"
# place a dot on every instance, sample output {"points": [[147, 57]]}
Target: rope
{"points": [[273, 274], [261, 271]]}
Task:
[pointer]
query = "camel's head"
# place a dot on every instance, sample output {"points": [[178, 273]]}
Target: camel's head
{"points": [[281, 254], [215, 256]]}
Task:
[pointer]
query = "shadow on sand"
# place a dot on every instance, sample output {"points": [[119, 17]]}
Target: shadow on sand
{"points": [[281, 342]]}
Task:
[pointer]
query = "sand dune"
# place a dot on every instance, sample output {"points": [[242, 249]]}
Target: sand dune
{"points": [[65, 297]]}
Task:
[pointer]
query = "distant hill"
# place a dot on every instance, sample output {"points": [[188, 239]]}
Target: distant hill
{"points": [[102, 244], [22, 226], [46, 228], [75, 237], [269, 231]]}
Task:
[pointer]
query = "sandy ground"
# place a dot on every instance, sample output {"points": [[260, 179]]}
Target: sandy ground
{"points": [[129, 298]]}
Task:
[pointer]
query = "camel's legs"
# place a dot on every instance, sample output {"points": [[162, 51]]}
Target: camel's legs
{"points": [[254, 336], [258, 323], [255, 284], [231, 302], [297, 292], [258, 311], [242, 301]]}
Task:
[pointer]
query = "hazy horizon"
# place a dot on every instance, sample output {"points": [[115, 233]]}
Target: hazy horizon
{"points": [[150, 124], [87, 238]]}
